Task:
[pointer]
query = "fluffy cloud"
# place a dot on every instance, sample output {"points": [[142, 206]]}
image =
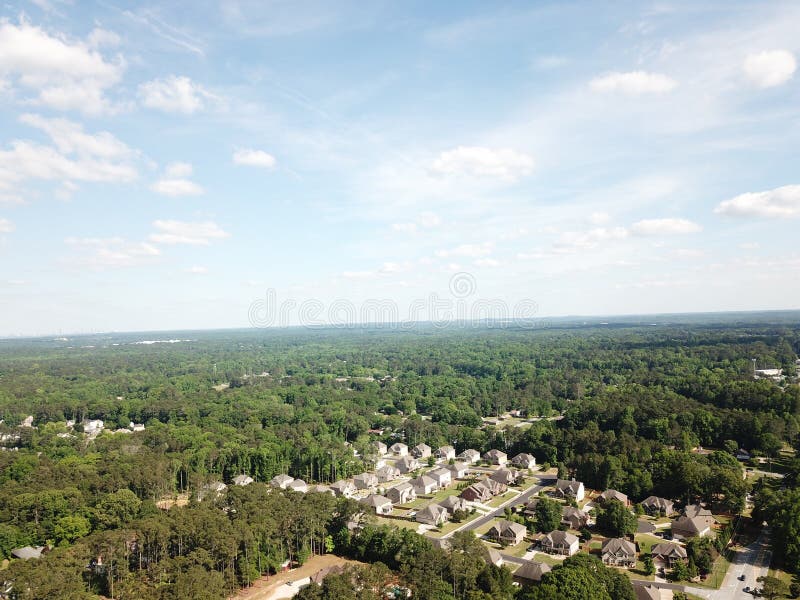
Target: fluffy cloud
{"points": [[198, 233], [426, 220], [173, 94], [6, 226], [665, 227], [64, 74], [478, 161], [196, 270], [175, 182], [468, 250], [114, 252], [782, 202], [75, 156], [634, 83], [254, 158], [69, 137], [570, 241], [769, 68]]}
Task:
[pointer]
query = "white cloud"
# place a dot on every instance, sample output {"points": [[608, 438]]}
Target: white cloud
{"points": [[665, 227], [429, 219], [426, 220], [113, 252], [103, 37], [177, 187], [405, 227], [66, 74], [197, 270], [6, 226], [178, 169], [198, 233], [468, 250], [76, 156], [173, 94], [254, 158], [478, 161], [634, 83], [69, 137], [750, 246], [175, 182], [769, 68], [486, 262], [599, 218], [782, 202], [570, 241]]}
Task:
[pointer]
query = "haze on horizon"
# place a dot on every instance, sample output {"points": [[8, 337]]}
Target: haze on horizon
{"points": [[162, 169]]}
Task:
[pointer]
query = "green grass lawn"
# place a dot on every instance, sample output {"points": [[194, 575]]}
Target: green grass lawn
{"points": [[714, 579], [450, 525], [495, 502]]}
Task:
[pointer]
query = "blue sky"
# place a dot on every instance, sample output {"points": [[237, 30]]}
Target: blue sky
{"points": [[163, 166]]}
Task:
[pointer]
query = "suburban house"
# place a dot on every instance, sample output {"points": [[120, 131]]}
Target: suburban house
{"points": [[619, 552], [492, 557], [387, 473], [381, 504], [524, 461], [496, 457], [531, 571], [407, 464], [401, 493], [505, 476], [445, 453], [211, 490], [688, 527], [458, 470], [281, 481], [380, 448], [469, 456], [421, 451], [653, 505], [242, 480], [560, 542], [613, 495], [574, 518], [667, 554], [529, 510], [454, 503], [643, 526], [494, 486], [321, 489], [424, 485], [696, 510], [298, 485], [647, 592], [477, 492], [398, 449], [570, 489], [433, 514], [442, 476], [365, 481], [28, 552], [507, 532], [343, 488], [743, 455]]}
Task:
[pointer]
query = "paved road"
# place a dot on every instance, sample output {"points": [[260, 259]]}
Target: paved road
{"points": [[521, 499], [752, 562]]}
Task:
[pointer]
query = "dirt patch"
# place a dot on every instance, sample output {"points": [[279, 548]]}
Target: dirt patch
{"points": [[170, 501], [271, 586]]}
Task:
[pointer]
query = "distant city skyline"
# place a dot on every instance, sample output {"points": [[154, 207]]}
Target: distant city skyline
{"points": [[165, 169]]}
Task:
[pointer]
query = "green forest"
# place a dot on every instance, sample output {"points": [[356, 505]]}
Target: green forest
{"points": [[624, 407]]}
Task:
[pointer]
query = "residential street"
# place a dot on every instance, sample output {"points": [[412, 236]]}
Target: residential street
{"points": [[517, 500], [752, 562]]}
